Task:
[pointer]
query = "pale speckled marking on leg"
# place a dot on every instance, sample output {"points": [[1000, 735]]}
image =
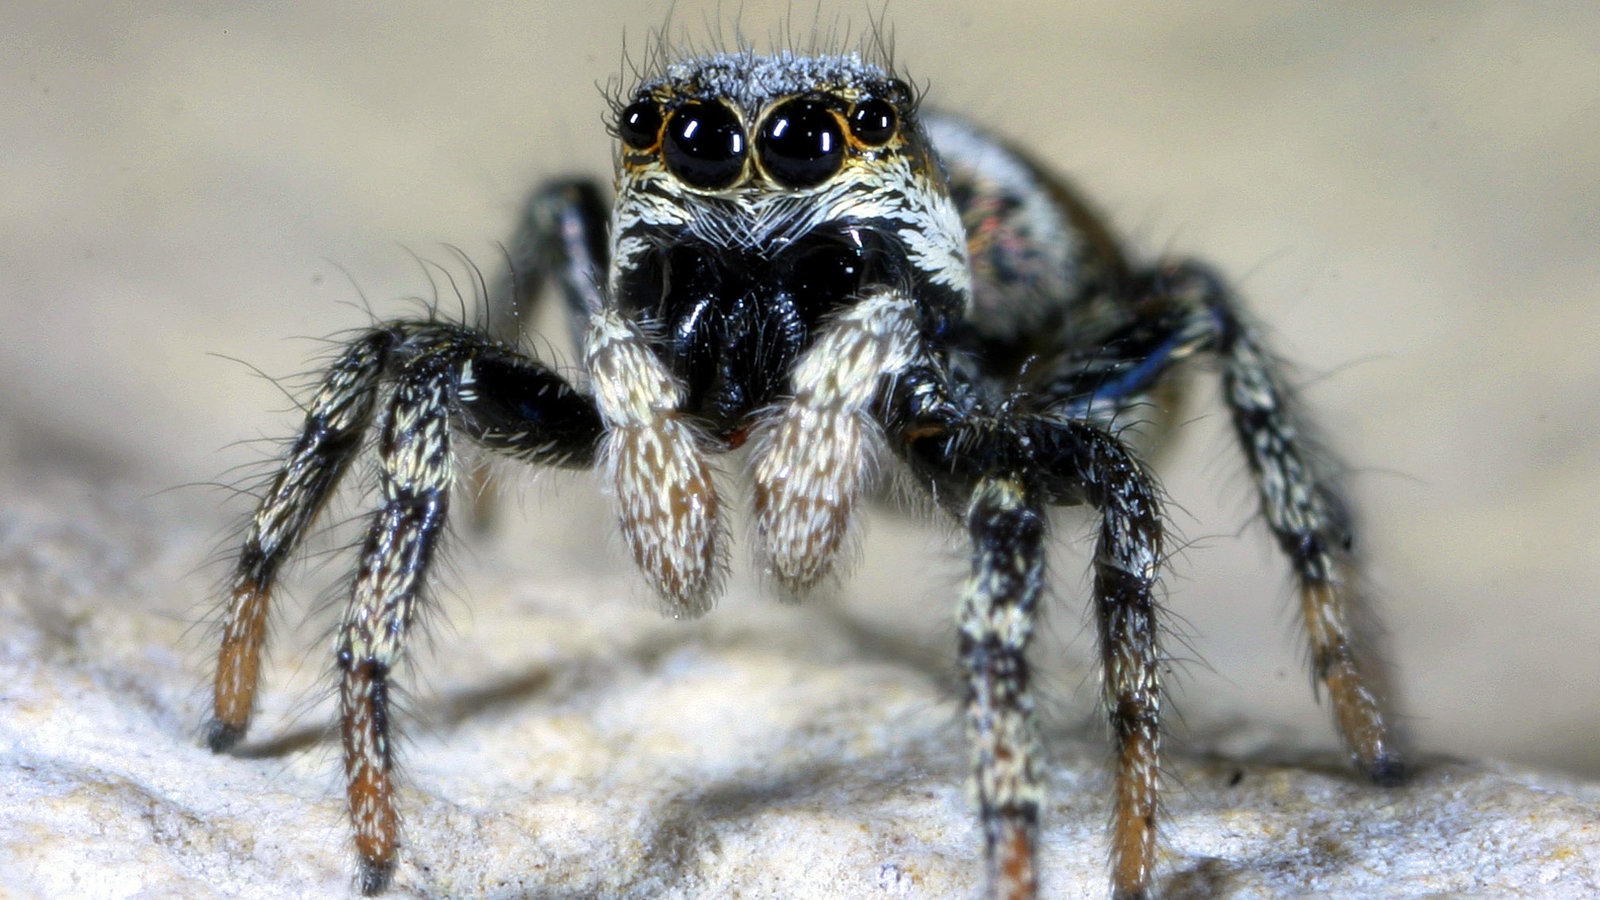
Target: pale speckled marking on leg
{"points": [[813, 460], [996, 623], [1308, 515], [667, 503], [330, 437], [414, 480]]}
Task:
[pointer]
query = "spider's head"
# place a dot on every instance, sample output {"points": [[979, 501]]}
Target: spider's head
{"points": [[758, 194]]}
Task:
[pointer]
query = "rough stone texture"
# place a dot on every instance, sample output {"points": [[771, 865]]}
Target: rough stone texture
{"points": [[1408, 197], [571, 747]]}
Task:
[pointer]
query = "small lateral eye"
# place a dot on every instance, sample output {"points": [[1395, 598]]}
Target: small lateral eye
{"points": [[704, 145], [639, 125], [800, 144], [873, 122]]}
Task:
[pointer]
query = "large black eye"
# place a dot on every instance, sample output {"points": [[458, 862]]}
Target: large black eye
{"points": [[705, 146], [800, 144], [873, 122], [640, 125]]}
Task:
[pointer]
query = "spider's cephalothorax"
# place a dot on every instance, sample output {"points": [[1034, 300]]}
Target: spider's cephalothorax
{"points": [[797, 257], [757, 198]]}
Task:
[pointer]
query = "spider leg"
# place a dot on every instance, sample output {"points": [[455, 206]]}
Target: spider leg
{"points": [[1017, 462], [560, 236], [1186, 309], [996, 622], [414, 481], [1087, 462], [447, 378], [440, 379], [1305, 507], [336, 420]]}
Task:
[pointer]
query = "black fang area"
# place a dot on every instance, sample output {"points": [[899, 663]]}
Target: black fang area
{"points": [[732, 322]]}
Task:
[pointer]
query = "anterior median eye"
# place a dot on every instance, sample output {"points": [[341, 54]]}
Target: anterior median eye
{"points": [[705, 145], [800, 144]]}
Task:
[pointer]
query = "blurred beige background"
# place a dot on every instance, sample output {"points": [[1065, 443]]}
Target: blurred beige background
{"points": [[1409, 197]]}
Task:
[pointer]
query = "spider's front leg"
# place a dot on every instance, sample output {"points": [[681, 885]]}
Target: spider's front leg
{"points": [[1016, 464], [996, 618], [414, 481], [444, 381], [449, 379]]}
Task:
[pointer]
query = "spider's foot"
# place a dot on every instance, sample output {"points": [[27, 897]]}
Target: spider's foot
{"points": [[221, 736], [1387, 770], [375, 875]]}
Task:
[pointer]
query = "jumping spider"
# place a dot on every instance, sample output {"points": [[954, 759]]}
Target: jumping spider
{"points": [[801, 258]]}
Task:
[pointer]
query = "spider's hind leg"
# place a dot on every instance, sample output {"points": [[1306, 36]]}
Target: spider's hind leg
{"points": [[1181, 309], [561, 236], [1305, 506]]}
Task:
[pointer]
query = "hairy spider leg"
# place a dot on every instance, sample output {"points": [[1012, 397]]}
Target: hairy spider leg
{"points": [[415, 474], [448, 379], [996, 619], [1009, 465], [560, 237], [1184, 308], [1089, 463], [336, 422], [1304, 505], [445, 379]]}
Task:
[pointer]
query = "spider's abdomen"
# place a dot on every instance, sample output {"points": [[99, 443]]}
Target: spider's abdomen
{"points": [[1046, 270]]}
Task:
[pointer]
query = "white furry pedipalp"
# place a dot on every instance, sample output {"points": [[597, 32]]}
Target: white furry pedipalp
{"points": [[666, 501], [813, 462]]}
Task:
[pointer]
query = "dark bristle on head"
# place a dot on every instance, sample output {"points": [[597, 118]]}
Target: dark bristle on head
{"points": [[667, 48]]}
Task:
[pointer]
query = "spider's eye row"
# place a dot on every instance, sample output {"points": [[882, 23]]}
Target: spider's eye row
{"points": [[873, 122], [704, 145], [801, 144], [639, 125]]}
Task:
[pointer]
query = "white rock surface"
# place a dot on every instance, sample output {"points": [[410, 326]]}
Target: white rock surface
{"points": [[573, 744]]}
